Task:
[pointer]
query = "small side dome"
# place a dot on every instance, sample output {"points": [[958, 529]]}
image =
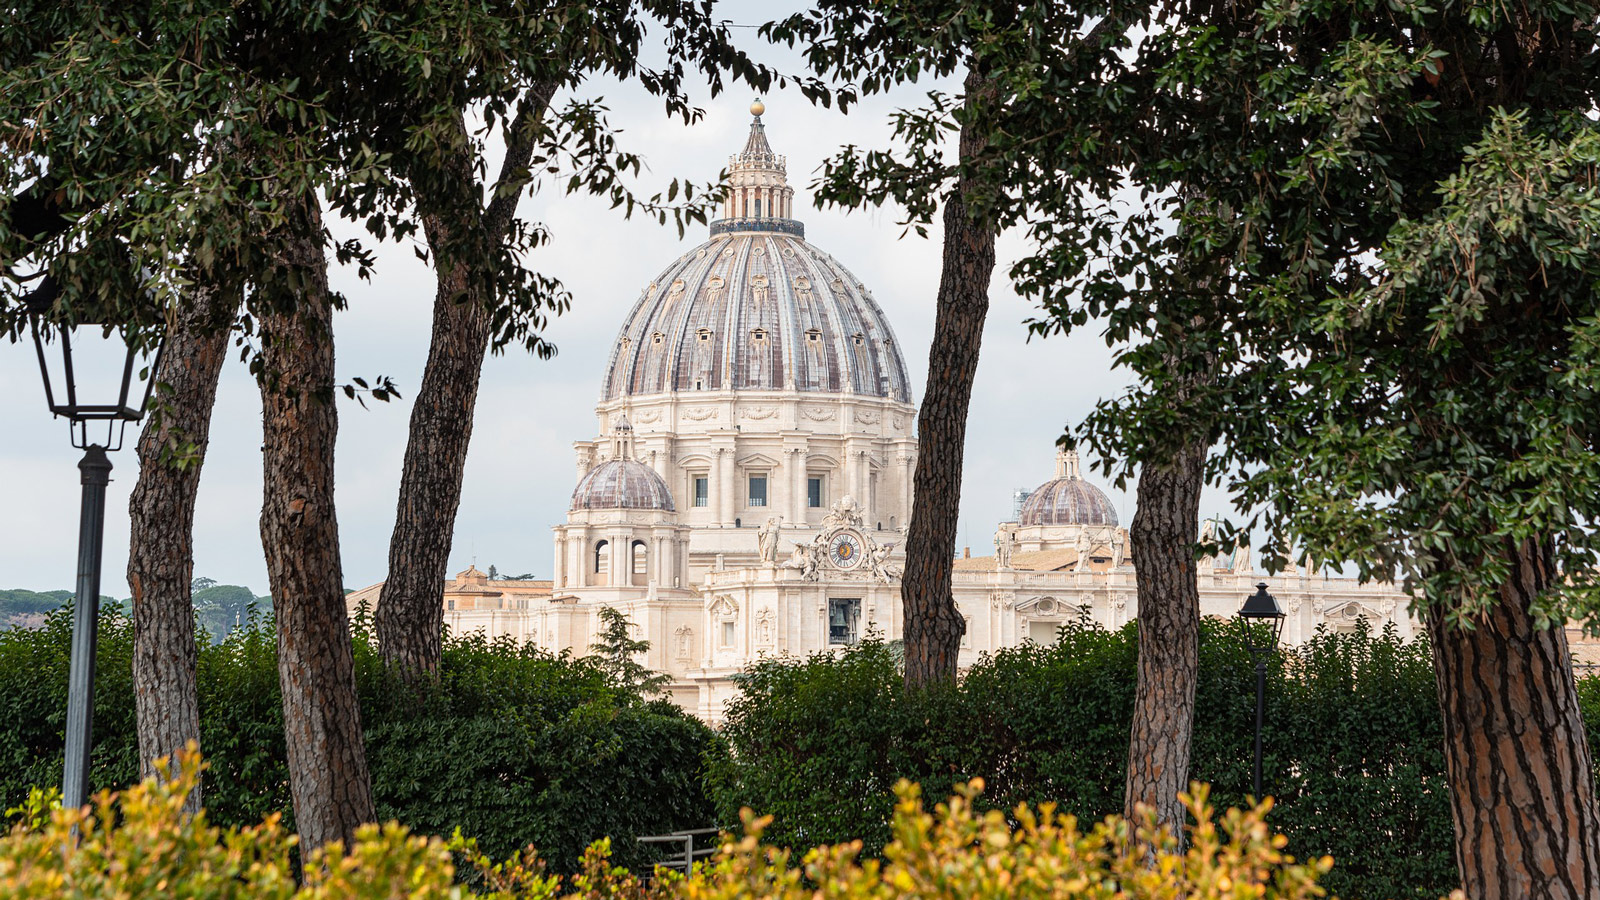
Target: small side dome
{"points": [[1067, 499], [622, 484]]}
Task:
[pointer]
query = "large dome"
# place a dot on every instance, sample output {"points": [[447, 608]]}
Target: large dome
{"points": [[1067, 499], [756, 307], [756, 311]]}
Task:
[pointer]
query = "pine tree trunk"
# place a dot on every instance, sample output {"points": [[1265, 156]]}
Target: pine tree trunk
{"points": [[933, 626], [1163, 536], [299, 531], [161, 539], [409, 618], [1521, 786], [410, 613]]}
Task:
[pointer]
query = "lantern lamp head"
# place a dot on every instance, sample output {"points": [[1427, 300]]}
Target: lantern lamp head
{"points": [[93, 373], [1261, 607]]}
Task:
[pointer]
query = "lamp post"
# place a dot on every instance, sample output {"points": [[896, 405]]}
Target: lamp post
{"points": [[1260, 607], [90, 371]]}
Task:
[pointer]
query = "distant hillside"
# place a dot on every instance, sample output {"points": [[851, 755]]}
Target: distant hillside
{"points": [[27, 608], [218, 607]]}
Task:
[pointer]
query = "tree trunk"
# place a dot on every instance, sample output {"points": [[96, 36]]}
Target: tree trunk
{"points": [[161, 539], [1521, 787], [1163, 537], [410, 615], [933, 626], [299, 532]]}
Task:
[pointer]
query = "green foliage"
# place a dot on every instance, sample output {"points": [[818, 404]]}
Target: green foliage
{"points": [[1352, 740], [513, 745], [618, 654], [219, 608], [140, 845], [1374, 231]]}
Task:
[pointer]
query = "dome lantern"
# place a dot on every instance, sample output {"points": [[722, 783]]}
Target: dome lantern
{"points": [[759, 196]]}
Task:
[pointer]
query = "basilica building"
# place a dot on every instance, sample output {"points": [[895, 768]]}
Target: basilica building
{"points": [[748, 488]]}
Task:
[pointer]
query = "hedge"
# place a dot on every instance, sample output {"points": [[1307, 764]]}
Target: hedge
{"points": [[140, 846], [515, 746], [1353, 744]]}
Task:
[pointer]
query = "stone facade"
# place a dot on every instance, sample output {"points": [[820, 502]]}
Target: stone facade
{"points": [[756, 435]]}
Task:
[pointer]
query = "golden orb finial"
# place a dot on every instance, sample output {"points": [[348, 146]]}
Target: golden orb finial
{"points": [[757, 108]]}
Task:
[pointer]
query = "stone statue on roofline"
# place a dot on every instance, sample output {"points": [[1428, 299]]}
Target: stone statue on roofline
{"points": [[767, 539]]}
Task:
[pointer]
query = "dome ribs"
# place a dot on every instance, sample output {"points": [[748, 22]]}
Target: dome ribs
{"points": [[622, 484], [758, 312]]}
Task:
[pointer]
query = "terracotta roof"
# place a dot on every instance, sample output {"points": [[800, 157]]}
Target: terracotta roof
{"points": [[1044, 560], [975, 564]]}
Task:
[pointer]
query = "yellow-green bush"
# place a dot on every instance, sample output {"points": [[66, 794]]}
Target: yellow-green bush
{"points": [[139, 845]]}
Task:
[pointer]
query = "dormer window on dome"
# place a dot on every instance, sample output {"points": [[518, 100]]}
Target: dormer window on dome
{"points": [[813, 335], [758, 335], [703, 334]]}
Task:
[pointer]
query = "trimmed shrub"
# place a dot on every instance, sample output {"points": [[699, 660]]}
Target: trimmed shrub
{"points": [[513, 746], [1353, 744], [141, 847]]}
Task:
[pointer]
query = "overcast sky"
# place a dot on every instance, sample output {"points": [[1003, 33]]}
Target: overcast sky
{"points": [[520, 471]]}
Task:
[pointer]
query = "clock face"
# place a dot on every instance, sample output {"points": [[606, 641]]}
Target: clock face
{"points": [[845, 550]]}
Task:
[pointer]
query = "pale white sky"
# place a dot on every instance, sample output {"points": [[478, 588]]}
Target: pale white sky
{"points": [[520, 472]]}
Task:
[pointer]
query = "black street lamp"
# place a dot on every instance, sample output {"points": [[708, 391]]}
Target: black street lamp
{"points": [[90, 372], [1260, 607]]}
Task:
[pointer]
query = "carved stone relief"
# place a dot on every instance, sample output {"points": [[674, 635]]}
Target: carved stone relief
{"points": [[820, 413], [867, 416], [701, 413], [758, 412]]}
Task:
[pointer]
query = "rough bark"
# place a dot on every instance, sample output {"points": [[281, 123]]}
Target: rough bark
{"points": [[1163, 536], [161, 538], [1522, 791], [328, 776], [933, 626], [410, 614]]}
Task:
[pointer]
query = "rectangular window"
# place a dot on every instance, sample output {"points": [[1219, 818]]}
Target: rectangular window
{"points": [[844, 620], [702, 490], [1045, 634], [727, 634], [758, 490], [814, 492]]}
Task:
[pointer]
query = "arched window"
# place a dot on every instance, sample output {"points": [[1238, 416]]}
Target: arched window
{"points": [[602, 558], [640, 558]]}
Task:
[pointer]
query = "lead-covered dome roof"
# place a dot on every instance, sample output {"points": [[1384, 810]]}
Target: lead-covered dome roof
{"points": [[1067, 499], [622, 484], [756, 307]]}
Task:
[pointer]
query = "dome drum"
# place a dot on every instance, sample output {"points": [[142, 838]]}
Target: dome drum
{"points": [[750, 223]]}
